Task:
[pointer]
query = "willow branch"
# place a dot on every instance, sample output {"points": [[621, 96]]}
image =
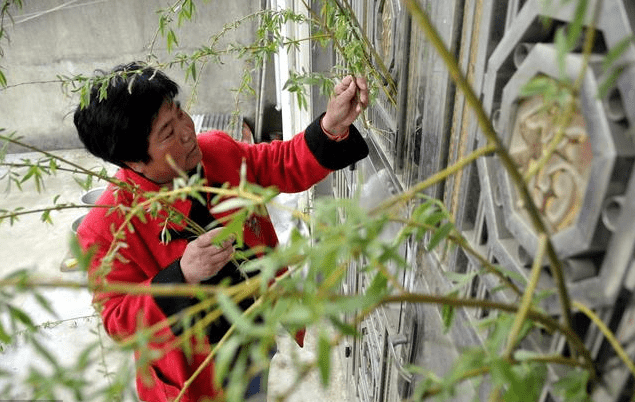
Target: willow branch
{"points": [[438, 177], [460, 241], [340, 49], [14, 214], [589, 41], [525, 303], [172, 9], [610, 337], [79, 168], [532, 314], [249, 311], [481, 371], [364, 39]]}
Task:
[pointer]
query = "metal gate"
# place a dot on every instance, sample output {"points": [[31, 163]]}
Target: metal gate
{"points": [[588, 195]]}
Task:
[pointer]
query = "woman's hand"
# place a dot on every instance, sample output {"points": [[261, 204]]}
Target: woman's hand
{"points": [[202, 259], [350, 97]]}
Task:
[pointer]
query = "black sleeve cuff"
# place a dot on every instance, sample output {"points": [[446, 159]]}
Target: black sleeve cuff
{"points": [[171, 305], [331, 154]]}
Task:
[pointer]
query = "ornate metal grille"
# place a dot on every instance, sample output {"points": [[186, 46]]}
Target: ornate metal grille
{"points": [[586, 191]]}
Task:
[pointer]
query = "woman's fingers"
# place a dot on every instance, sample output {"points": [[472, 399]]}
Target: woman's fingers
{"points": [[203, 257], [207, 238]]}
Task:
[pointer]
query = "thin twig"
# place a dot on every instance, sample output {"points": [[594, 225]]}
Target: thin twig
{"points": [[79, 168], [438, 177], [525, 303], [532, 314], [610, 337]]}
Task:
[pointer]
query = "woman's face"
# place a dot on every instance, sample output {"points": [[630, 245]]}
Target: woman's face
{"points": [[172, 135]]}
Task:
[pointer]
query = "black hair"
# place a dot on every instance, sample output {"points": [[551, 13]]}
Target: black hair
{"points": [[116, 122]]}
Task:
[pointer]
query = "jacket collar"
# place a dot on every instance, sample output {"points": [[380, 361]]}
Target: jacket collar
{"points": [[144, 185]]}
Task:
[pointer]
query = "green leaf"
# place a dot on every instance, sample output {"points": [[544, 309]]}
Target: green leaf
{"points": [[30, 173], [499, 332], [378, 286], [280, 307], [298, 314], [447, 313], [4, 336], [84, 360], [325, 255], [562, 49], [324, 357], [609, 82], [83, 258], [238, 377], [163, 22], [171, 40], [53, 165], [616, 52], [573, 386], [45, 304], [186, 11], [513, 274], [440, 235], [471, 359], [236, 316], [192, 71], [21, 316], [44, 352], [460, 279], [350, 303], [574, 31], [502, 375], [46, 217], [345, 328], [232, 204], [522, 382], [423, 385], [85, 184], [233, 227], [522, 354], [21, 274], [435, 218], [224, 358], [538, 86]]}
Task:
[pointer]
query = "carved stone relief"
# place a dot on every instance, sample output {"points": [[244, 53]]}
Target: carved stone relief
{"points": [[558, 187], [385, 36]]}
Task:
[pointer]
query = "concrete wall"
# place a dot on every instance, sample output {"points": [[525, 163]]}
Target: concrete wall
{"points": [[58, 37]]}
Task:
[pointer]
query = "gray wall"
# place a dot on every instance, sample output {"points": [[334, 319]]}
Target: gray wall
{"points": [[51, 37]]}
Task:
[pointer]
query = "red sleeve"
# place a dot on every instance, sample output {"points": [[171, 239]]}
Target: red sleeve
{"points": [[123, 314], [292, 166]]}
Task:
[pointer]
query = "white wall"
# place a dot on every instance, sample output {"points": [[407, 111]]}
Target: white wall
{"points": [[51, 37], [294, 119]]}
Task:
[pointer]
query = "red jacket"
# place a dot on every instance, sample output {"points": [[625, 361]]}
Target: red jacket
{"points": [[291, 166]]}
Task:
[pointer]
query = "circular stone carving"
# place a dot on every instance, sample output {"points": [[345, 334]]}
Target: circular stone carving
{"points": [[558, 187], [571, 187], [385, 35]]}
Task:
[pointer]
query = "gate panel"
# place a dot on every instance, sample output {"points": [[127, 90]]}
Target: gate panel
{"points": [[586, 192]]}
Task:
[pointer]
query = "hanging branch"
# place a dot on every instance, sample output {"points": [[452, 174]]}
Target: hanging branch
{"points": [[527, 298]]}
